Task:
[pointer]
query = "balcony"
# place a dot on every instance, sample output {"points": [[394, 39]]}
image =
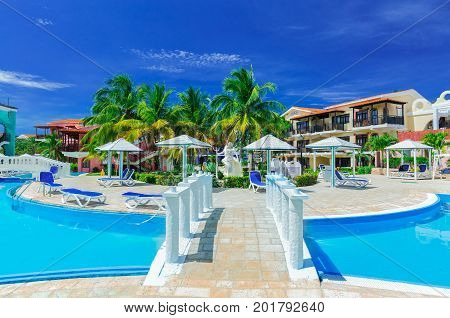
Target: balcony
{"points": [[379, 120]]}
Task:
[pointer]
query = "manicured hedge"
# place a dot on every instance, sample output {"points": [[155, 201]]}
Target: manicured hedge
{"points": [[160, 178], [306, 179], [236, 182]]}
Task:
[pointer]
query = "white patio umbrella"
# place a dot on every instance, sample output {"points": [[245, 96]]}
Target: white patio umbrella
{"points": [[184, 142], [120, 146], [333, 144], [269, 143], [412, 146]]}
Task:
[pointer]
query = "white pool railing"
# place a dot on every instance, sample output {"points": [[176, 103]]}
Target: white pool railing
{"points": [[185, 202], [285, 201], [33, 165]]}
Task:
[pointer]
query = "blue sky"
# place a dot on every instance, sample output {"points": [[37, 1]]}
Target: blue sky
{"points": [[298, 45]]}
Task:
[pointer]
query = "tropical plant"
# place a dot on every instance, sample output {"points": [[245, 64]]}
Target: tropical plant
{"points": [[379, 143], [243, 113], [51, 147], [192, 115], [26, 146], [436, 140], [153, 116]]}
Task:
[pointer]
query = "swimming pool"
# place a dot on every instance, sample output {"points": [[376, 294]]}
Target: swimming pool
{"points": [[410, 247], [42, 242]]}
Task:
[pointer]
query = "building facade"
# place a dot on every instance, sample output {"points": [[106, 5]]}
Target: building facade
{"points": [[356, 121], [70, 131], [8, 129]]}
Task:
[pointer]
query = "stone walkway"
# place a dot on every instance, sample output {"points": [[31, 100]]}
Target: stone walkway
{"points": [[237, 251]]}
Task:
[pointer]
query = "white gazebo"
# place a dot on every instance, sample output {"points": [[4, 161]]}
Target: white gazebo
{"points": [[120, 146], [333, 144], [413, 146], [269, 143], [184, 142]]}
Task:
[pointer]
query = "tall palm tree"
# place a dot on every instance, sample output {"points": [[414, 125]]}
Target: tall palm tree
{"points": [[192, 116], [113, 103], [51, 147], [243, 111], [436, 140], [153, 116]]}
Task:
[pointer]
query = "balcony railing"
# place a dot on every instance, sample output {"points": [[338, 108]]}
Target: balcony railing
{"points": [[379, 120]]}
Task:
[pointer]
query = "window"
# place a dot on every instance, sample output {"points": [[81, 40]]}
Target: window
{"points": [[85, 164], [302, 126], [361, 140], [374, 114], [361, 115], [342, 119]]}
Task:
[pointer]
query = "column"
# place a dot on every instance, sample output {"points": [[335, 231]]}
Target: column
{"points": [[195, 197], [296, 198], [184, 206], [172, 225], [285, 209]]}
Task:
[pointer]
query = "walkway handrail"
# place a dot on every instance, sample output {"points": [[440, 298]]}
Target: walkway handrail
{"points": [[33, 164], [285, 201], [185, 202]]}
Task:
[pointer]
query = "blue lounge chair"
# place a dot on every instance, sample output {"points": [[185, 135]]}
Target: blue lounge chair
{"points": [[357, 182], [47, 180], [135, 199], [402, 170], [54, 170], [80, 196], [126, 179], [255, 181]]}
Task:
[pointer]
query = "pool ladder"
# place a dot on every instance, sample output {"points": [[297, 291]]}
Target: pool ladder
{"points": [[16, 196]]}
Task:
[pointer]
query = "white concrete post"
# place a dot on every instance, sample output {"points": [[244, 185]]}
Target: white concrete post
{"points": [[172, 225], [185, 222], [296, 198], [354, 163], [278, 198], [314, 160], [209, 191], [192, 183], [268, 190], [285, 208]]}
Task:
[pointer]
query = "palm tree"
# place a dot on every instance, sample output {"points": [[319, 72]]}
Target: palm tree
{"points": [[243, 111], [436, 140], [115, 102], [153, 116], [379, 143], [192, 115], [51, 147]]}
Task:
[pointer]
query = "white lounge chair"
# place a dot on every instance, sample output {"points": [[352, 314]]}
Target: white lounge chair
{"points": [[255, 181], [134, 199], [126, 179], [358, 182], [80, 196]]}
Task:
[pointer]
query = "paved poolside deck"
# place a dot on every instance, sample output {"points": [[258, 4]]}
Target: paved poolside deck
{"points": [[237, 251]]}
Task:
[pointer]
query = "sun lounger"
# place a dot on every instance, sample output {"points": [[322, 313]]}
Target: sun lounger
{"points": [[255, 181], [47, 180], [135, 199], [321, 171], [127, 179], [54, 171], [357, 182], [81, 197], [402, 170]]}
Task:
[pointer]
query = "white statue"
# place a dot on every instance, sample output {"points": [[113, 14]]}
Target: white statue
{"points": [[232, 165]]}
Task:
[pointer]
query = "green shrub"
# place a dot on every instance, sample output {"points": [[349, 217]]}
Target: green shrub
{"points": [[220, 175], [211, 167], [74, 167], [306, 179], [236, 182], [160, 178], [364, 170], [96, 170], [345, 169], [216, 183], [420, 160]]}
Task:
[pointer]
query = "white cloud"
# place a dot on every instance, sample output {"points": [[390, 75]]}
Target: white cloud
{"points": [[179, 57], [164, 68], [29, 80], [43, 21]]}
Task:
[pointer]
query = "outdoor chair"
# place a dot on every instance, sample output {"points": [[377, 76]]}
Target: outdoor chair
{"points": [[47, 180], [54, 170], [126, 179], [358, 182], [134, 199], [255, 181], [82, 198]]}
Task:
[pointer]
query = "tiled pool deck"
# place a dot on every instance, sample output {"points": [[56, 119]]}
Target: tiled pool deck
{"points": [[237, 251]]}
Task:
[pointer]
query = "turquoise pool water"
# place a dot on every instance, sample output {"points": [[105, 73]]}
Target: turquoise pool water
{"points": [[40, 242], [411, 247]]}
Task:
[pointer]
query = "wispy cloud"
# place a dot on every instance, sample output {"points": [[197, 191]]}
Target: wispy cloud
{"points": [[164, 68], [43, 21], [29, 80], [175, 61]]}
